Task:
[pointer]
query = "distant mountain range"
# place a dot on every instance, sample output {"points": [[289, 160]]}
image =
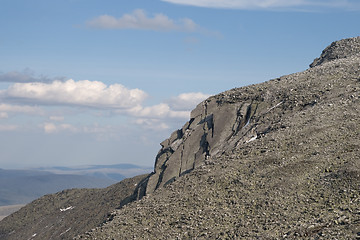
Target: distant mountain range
{"points": [[115, 172], [23, 186]]}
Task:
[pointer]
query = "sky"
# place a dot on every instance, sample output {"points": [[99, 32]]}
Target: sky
{"points": [[105, 81]]}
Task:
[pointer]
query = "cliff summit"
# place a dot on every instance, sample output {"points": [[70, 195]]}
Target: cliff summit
{"points": [[345, 48]]}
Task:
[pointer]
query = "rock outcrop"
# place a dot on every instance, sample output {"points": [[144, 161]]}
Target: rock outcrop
{"points": [[225, 121], [345, 48], [212, 127], [216, 125]]}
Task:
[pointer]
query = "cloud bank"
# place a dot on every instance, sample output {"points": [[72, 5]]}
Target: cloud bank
{"points": [[178, 107], [53, 128], [161, 110], [266, 4], [18, 108], [6, 109], [187, 101], [7, 128], [105, 100], [138, 19], [81, 93], [98, 95]]}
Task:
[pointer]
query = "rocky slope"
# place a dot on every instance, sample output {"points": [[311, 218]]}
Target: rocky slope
{"points": [[7, 210], [277, 160], [68, 213]]}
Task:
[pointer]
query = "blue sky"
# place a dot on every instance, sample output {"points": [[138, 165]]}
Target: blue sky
{"points": [[105, 81]]}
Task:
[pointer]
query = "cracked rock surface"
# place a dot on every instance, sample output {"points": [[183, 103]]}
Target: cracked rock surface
{"points": [[232, 118]]}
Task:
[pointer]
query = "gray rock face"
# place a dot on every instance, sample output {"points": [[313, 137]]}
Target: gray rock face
{"points": [[341, 49], [216, 125], [210, 127], [228, 120]]}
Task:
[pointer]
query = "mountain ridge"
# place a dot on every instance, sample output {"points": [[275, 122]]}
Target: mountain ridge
{"points": [[24, 186], [276, 160], [290, 153]]}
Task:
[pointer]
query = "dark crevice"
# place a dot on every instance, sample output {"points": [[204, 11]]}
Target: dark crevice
{"points": [[208, 121], [186, 172], [246, 120], [190, 122], [205, 108], [180, 134], [205, 145], [211, 124], [242, 121], [139, 192], [161, 152], [181, 159], [163, 168], [171, 180]]}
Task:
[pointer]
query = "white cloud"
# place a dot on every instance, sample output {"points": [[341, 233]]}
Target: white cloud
{"points": [[3, 115], [95, 130], [139, 20], [8, 108], [96, 97], [81, 93], [152, 124], [265, 4], [177, 107], [158, 117], [50, 128], [26, 76], [55, 128], [161, 110], [57, 118], [187, 101], [6, 128]]}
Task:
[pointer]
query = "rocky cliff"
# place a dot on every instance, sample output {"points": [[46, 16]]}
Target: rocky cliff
{"points": [[236, 117], [216, 125], [277, 160]]}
